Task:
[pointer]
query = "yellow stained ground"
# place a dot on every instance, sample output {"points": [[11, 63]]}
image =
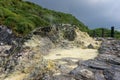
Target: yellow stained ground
{"points": [[79, 53], [55, 54]]}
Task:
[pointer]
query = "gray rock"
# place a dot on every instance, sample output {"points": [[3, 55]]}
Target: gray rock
{"points": [[90, 46], [99, 75], [115, 61], [63, 77], [81, 73], [70, 34], [63, 69], [112, 59], [110, 47], [94, 64], [112, 75]]}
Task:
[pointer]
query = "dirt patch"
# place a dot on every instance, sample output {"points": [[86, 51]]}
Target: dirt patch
{"points": [[69, 57], [17, 76], [76, 53]]}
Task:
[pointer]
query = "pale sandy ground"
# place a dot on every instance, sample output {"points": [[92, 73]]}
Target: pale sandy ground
{"points": [[73, 54], [16, 76], [78, 53]]}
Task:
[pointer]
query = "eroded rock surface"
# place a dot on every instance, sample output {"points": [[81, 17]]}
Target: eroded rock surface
{"points": [[24, 61], [104, 67], [110, 47]]}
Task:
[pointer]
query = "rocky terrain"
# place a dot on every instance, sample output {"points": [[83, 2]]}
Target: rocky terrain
{"points": [[19, 62], [106, 66], [32, 57], [29, 51]]}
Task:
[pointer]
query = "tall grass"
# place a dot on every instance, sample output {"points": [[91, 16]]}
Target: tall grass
{"points": [[22, 17]]}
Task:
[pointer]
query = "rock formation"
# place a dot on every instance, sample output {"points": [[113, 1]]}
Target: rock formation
{"points": [[62, 36], [22, 58], [104, 67], [20, 61]]}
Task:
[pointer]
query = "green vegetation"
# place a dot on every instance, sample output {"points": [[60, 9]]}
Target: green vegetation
{"points": [[107, 33], [22, 17]]}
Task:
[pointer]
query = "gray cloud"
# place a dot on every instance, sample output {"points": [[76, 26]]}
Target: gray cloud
{"points": [[94, 13]]}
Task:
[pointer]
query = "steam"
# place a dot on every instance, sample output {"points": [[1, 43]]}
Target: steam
{"points": [[51, 18]]}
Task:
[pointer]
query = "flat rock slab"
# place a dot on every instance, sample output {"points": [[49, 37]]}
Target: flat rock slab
{"points": [[109, 59], [112, 75], [62, 77], [81, 73], [94, 64], [99, 75]]}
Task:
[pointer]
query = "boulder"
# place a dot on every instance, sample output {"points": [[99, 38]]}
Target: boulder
{"points": [[6, 35], [70, 34]]}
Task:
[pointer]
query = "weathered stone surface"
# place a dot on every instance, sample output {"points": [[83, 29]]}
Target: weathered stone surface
{"points": [[90, 46], [102, 69], [81, 73], [99, 75], [6, 35], [109, 58], [112, 75], [70, 34], [63, 77], [107, 65], [110, 47], [96, 64]]}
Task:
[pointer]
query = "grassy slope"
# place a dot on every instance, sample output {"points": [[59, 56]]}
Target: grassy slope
{"points": [[22, 17]]}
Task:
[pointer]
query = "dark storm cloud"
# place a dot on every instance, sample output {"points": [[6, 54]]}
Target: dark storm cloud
{"points": [[94, 13]]}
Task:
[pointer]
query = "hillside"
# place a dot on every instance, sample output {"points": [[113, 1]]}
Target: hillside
{"points": [[22, 17]]}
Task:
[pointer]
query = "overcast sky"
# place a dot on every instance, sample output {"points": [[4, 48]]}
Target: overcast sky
{"points": [[93, 13]]}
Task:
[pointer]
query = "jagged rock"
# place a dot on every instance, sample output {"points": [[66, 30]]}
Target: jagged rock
{"points": [[81, 73], [109, 59], [28, 59], [99, 75], [90, 46], [112, 75], [3, 49], [70, 34], [63, 77], [101, 69], [63, 69], [106, 67], [110, 47], [66, 36], [14, 58], [6, 35], [94, 64]]}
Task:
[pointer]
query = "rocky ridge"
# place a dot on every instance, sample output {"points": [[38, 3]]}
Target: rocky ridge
{"points": [[104, 67], [23, 62], [65, 36], [26, 60]]}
